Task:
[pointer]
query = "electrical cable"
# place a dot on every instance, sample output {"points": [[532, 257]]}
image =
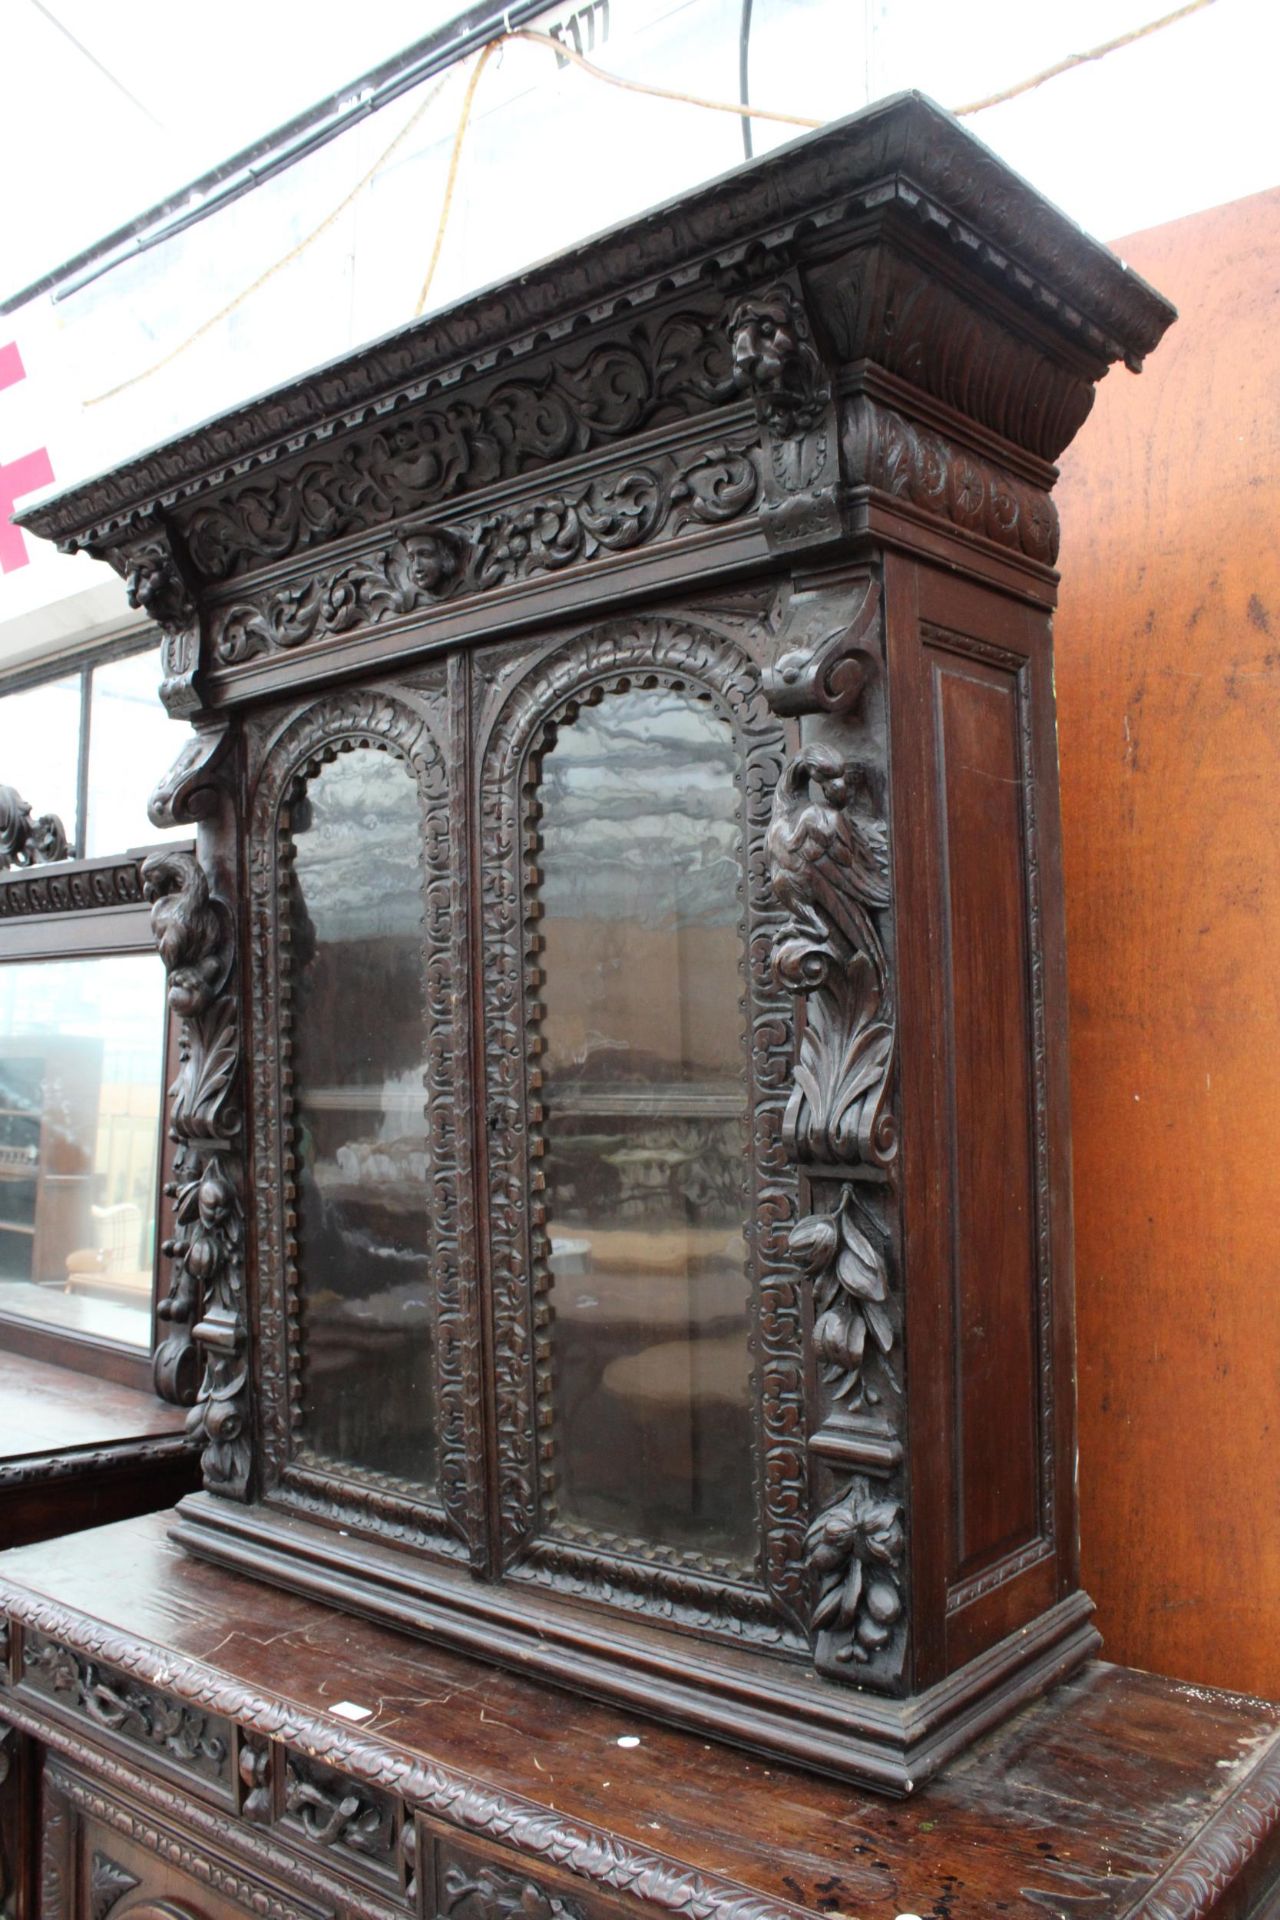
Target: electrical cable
{"points": [[1080, 59], [742, 108], [744, 75]]}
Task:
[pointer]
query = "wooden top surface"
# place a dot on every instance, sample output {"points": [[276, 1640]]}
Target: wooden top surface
{"points": [[46, 1409], [1121, 1793]]}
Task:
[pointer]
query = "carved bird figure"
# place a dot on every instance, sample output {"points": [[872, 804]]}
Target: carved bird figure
{"points": [[822, 860]]}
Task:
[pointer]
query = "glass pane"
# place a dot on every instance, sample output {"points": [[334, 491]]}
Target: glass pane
{"points": [[646, 1124], [81, 1073], [132, 743], [40, 748], [360, 1135]]}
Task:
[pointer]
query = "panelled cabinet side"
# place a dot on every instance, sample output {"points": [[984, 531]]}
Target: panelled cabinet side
{"points": [[730, 533]]}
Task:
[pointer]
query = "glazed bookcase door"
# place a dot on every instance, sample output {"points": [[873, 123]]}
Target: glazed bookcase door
{"points": [[368, 1420], [645, 1313]]}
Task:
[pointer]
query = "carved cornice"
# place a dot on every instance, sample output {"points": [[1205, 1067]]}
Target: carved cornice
{"points": [[657, 498], [904, 155], [601, 1857], [114, 883], [25, 840]]}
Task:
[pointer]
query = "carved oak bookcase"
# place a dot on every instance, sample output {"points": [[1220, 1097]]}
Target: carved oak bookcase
{"points": [[624, 1155]]}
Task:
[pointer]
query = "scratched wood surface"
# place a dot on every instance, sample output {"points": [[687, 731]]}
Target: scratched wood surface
{"points": [[1168, 672], [1081, 1803]]}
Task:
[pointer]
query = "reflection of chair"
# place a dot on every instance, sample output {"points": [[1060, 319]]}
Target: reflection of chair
{"points": [[108, 1270]]}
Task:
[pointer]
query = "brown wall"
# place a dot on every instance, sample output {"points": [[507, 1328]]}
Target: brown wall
{"points": [[1168, 668]]}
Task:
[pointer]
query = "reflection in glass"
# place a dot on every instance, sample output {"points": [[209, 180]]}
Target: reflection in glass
{"points": [[359, 1117], [645, 1122], [40, 748], [132, 744], [81, 1071]]}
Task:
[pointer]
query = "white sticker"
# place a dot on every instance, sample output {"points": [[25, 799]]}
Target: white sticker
{"points": [[348, 1710], [629, 1740]]}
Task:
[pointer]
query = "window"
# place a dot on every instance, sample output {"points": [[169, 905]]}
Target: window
{"points": [[84, 1030]]}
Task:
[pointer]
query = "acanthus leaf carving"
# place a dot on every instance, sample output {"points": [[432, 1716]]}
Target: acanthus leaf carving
{"points": [[108, 1884], [829, 868], [205, 1301]]}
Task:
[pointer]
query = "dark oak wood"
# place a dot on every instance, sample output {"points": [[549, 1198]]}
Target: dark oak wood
{"points": [[781, 454], [185, 1718], [77, 1452]]}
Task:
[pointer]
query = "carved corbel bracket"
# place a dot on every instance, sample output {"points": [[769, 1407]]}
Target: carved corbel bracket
{"points": [[829, 646], [777, 362], [192, 789], [156, 584]]}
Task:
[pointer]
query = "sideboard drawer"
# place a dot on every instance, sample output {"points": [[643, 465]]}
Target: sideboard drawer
{"points": [[464, 1879]]}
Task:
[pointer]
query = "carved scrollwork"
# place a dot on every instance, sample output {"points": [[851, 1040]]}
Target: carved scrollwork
{"points": [[334, 1814], [662, 370], [193, 932], [828, 653], [714, 485], [108, 1699], [23, 840], [668, 494], [500, 1893]]}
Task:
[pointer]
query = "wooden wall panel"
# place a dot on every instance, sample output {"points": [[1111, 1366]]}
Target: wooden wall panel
{"points": [[1168, 671]]}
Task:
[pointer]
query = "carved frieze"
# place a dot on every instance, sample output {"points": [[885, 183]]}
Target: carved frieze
{"points": [[658, 499], [908, 462], [661, 369], [24, 839], [116, 883], [195, 1741]]}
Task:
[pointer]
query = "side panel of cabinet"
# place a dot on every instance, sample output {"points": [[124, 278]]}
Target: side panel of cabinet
{"points": [[986, 1168]]}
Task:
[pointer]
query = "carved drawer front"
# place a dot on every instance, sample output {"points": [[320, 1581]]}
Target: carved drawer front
{"points": [[101, 1859], [466, 1880]]}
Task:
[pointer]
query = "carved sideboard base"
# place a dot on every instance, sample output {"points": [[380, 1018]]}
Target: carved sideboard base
{"points": [[177, 1739], [894, 1745]]}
